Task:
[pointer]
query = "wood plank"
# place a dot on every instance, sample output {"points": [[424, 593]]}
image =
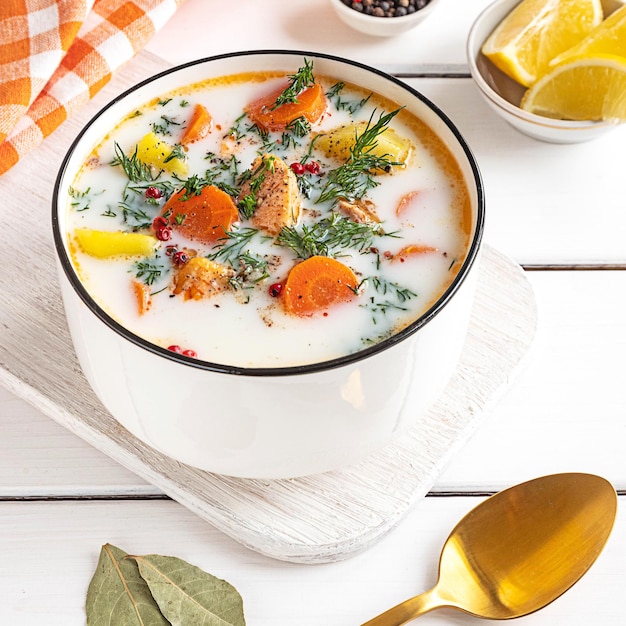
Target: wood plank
{"points": [[313, 26], [542, 199], [46, 567], [565, 411]]}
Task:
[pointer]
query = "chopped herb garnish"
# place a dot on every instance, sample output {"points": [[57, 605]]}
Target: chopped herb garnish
{"points": [[354, 178], [135, 170], [193, 187], [299, 81], [135, 217], [74, 193], [184, 103], [223, 174], [234, 245], [164, 102], [82, 199], [300, 127], [164, 128], [235, 130], [250, 269], [394, 296], [178, 152], [164, 186], [351, 106], [234, 249], [329, 237], [255, 179], [247, 206], [148, 271], [268, 144]]}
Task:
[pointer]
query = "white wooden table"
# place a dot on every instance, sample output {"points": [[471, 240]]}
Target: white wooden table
{"points": [[558, 211]]}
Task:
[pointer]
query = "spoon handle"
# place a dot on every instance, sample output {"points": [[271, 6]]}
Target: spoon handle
{"points": [[407, 610]]}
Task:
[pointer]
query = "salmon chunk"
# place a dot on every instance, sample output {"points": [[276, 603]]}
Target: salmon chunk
{"points": [[201, 278], [274, 189]]}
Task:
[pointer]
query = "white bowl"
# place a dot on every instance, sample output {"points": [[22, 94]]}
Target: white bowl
{"points": [[381, 26], [268, 422], [504, 95]]}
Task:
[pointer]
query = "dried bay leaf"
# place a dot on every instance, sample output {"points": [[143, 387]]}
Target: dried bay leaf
{"points": [[118, 595], [187, 595]]}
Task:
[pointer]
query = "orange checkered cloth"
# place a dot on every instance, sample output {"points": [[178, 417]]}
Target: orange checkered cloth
{"points": [[57, 54]]}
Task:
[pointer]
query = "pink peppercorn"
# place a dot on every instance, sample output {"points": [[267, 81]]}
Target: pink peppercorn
{"points": [[313, 167], [153, 192], [297, 168], [163, 233]]}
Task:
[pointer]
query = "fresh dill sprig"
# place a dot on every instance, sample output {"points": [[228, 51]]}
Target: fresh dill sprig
{"points": [[166, 187], [394, 296], [354, 178], [164, 128], [268, 142], [329, 237], [135, 217], [136, 171], [235, 131], [193, 186], [81, 199], [351, 106], [250, 270], [223, 173], [234, 249], [149, 271], [74, 193], [300, 127], [255, 179], [234, 245], [247, 205], [178, 152], [299, 81]]}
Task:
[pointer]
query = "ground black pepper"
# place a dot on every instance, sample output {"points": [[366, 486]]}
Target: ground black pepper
{"points": [[386, 8]]}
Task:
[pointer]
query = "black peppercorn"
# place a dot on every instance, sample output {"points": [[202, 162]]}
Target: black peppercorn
{"points": [[386, 8]]}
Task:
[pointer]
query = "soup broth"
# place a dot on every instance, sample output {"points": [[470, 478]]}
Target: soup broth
{"points": [[362, 196]]}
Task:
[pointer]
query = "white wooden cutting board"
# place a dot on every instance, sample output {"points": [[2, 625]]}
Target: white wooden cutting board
{"points": [[314, 519]]}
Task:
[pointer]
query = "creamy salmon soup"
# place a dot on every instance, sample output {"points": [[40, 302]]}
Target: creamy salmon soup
{"points": [[268, 220]]}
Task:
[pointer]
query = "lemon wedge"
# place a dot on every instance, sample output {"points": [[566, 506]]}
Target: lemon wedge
{"points": [[536, 31], [607, 38], [583, 88]]}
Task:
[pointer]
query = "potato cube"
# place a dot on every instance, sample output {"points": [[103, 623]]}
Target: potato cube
{"points": [[338, 142], [155, 152], [103, 244]]}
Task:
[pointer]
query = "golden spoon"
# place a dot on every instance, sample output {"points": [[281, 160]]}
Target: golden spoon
{"points": [[518, 550]]}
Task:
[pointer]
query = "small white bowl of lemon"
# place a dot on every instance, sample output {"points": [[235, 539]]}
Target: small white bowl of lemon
{"points": [[553, 69]]}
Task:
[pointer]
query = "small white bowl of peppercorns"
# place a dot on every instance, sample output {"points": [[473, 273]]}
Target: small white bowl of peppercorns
{"points": [[383, 18]]}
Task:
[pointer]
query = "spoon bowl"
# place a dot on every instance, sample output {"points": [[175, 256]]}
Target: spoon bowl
{"points": [[518, 550]]}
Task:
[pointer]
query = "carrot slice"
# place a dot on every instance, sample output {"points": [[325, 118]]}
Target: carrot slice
{"points": [[405, 201], [413, 249], [269, 117], [205, 217], [142, 296], [316, 284], [199, 125]]}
